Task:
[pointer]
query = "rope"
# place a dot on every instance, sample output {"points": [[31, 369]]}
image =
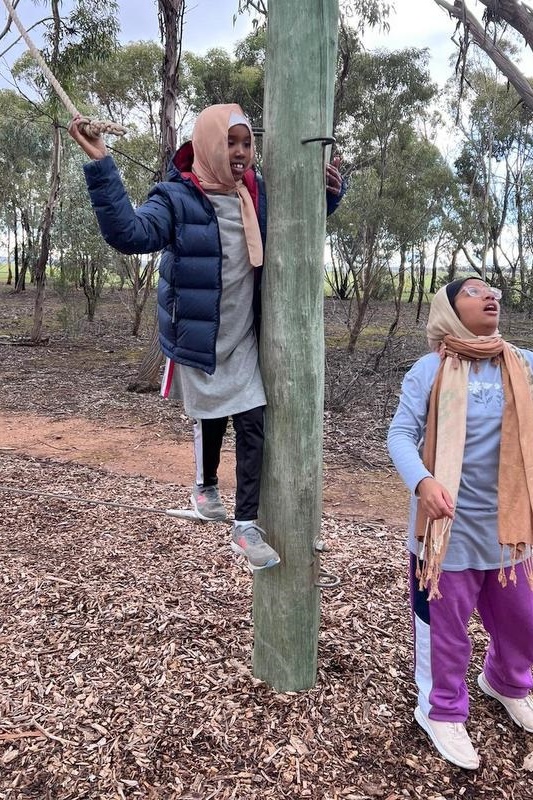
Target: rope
{"points": [[91, 128], [74, 498]]}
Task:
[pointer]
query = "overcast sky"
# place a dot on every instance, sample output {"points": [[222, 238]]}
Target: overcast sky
{"points": [[422, 23], [209, 23]]}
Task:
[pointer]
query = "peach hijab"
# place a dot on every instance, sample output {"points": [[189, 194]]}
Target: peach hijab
{"points": [[212, 167]]}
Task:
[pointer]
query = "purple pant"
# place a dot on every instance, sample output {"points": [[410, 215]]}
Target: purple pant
{"points": [[443, 647]]}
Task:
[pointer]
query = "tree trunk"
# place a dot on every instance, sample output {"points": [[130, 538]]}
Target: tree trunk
{"points": [[412, 290], [26, 252], [44, 237], [170, 21], [170, 18], [301, 58], [147, 378], [9, 280], [435, 266], [421, 281]]}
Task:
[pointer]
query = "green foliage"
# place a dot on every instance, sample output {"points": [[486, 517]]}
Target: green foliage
{"points": [[88, 33], [219, 78], [366, 13], [127, 85], [136, 150], [380, 92], [399, 184]]}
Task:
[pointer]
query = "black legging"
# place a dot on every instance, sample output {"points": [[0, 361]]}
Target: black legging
{"points": [[249, 436]]}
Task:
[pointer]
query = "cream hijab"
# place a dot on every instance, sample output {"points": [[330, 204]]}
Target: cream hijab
{"points": [[212, 167]]}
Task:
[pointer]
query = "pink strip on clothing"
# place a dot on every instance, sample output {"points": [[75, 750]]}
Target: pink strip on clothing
{"points": [[166, 383]]}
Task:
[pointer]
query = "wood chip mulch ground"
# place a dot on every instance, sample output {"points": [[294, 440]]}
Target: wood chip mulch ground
{"points": [[126, 637], [126, 641]]}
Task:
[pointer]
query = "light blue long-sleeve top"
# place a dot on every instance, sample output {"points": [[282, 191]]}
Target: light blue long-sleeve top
{"points": [[474, 539]]}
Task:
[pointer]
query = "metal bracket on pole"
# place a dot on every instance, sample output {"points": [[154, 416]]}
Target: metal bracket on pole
{"points": [[325, 580]]}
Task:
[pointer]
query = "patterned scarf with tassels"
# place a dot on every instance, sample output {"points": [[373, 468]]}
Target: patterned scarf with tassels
{"points": [[445, 437]]}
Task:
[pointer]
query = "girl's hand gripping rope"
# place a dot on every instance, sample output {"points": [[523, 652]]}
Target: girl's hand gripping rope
{"points": [[93, 146]]}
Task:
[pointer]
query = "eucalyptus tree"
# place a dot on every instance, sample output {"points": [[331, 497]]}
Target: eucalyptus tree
{"points": [[170, 14], [498, 15], [24, 157], [492, 167], [420, 192], [88, 31], [126, 87], [138, 161], [83, 259], [218, 77], [382, 96]]}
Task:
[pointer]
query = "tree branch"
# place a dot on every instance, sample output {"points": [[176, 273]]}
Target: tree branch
{"points": [[517, 14], [479, 36]]}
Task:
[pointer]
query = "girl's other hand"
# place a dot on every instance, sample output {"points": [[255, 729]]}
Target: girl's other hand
{"points": [[333, 176], [434, 498]]}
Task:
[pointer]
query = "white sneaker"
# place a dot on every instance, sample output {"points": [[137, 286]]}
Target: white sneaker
{"points": [[520, 709], [451, 740]]}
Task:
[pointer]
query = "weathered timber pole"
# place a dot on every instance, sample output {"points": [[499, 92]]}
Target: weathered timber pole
{"points": [[300, 72]]}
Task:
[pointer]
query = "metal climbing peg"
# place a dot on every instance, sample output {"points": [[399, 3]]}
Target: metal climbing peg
{"points": [[326, 140]]}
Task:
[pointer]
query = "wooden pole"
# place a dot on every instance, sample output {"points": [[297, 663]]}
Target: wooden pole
{"points": [[300, 72]]}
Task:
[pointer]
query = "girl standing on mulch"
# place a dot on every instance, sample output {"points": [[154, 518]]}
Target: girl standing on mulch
{"points": [[210, 217], [471, 525]]}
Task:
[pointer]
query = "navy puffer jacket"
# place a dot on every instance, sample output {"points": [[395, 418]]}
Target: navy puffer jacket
{"points": [[178, 218]]}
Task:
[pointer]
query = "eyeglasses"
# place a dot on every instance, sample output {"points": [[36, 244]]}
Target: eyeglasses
{"points": [[481, 291]]}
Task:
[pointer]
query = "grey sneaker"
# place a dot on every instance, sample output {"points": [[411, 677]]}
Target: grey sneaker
{"points": [[247, 540], [207, 503]]}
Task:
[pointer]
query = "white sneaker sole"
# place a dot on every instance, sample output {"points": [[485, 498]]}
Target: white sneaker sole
{"points": [[422, 721], [487, 689], [199, 514]]}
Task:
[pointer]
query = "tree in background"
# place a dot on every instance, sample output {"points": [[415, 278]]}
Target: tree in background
{"points": [[381, 96], [219, 78], [24, 159], [89, 32], [170, 26], [492, 167], [129, 89]]}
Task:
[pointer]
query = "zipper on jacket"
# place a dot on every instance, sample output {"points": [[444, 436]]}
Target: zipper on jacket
{"points": [[174, 311]]}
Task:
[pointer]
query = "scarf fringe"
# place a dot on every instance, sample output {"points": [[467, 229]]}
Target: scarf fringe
{"points": [[429, 566], [528, 569], [520, 553]]}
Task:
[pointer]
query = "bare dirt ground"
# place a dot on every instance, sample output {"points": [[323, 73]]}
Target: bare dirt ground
{"points": [[143, 450], [126, 637]]}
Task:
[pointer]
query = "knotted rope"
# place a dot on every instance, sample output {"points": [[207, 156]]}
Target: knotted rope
{"points": [[92, 128]]}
